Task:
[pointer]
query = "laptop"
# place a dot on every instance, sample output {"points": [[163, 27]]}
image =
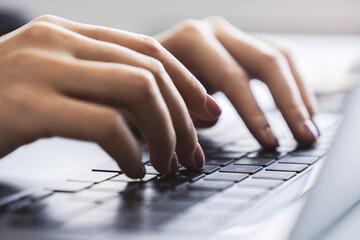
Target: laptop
{"points": [[241, 192]]}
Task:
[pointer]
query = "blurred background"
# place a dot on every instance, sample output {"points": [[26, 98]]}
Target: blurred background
{"points": [[152, 16]]}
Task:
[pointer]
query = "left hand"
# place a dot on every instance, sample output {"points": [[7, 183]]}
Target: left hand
{"points": [[226, 59]]}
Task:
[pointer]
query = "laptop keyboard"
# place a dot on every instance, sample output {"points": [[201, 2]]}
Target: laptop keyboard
{"points": [[237, 175]]}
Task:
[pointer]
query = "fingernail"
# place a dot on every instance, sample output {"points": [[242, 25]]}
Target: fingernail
{"points": [[199, 157], [271, 139], [174, 164], [309, 129], [213, 107]]}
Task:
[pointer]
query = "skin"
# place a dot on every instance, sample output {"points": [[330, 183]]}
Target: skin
{"points": [[62, 78], [225, 59]]}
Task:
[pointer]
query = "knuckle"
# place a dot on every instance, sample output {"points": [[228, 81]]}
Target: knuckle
{"points": [[193, 27], [46, 18], [151, 46], [156, 67], [144, 86], [271, 58], [39, 30]]}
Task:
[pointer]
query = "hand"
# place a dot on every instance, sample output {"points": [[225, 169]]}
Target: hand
{"points": [[226, 59], [61, 78]]}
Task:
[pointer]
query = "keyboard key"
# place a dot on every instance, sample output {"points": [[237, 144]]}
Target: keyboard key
{"points": [[287, 167], [309, 152], [240, 148], [241, 169], [255, 161], [92, 196], [207, 169], [192, 195], [274, 175], [267, 154], [124, 178], [263, 183], [187, 176], [112, 186], [149, 193], [151, 170], [299, 160], [224, 176], [92, 177], [170, 206], [109, 166], [69, 186], [218, 162], [167, 183], [210, 185], [226, 155]]}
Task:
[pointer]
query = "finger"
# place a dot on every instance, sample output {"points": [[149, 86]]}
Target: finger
{"points": [[263, 61], [94, 50], [193, 93], [75, 119], [204, 124], [212, 61], [119, 86], [307, 94]]}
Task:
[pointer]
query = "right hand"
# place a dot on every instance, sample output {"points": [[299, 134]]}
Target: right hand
{"points": [[61, 78]]}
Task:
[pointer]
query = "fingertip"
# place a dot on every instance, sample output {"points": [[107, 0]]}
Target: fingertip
{"points": [[270, 141], [213, 107], [174, 164], [309, 133], [199, 157]]}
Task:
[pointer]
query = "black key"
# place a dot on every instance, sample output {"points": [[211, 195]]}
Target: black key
{"points": [[241, 169], [170, 183], [299, 160], [210, 185], [170, 206], [255, 161], [207, 169], [187, 176], [309, 152], [226, 155], [191, 195], [267, 154], [287, 167], [274, 175], [225, 176], [149, 193], [218, 162]]}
